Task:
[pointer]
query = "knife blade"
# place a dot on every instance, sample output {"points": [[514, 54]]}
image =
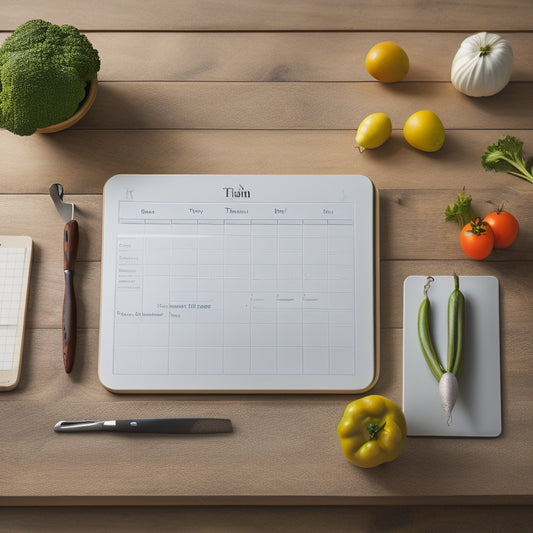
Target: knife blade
{"points": [[149, 425]]}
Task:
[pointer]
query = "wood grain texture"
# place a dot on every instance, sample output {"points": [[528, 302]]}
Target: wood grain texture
{"points": [[230, 87], [358, 519], [84, 160], [279, 56], [296, 106], [205, 15]]}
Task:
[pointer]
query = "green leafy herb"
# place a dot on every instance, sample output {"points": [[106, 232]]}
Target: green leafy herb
{"points": [[507, 156], [462, 211]]}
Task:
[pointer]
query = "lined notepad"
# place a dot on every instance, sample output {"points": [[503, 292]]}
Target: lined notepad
{"points": [[14, 277], [11, 278]]}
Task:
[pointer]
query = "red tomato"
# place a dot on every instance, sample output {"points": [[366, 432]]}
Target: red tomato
{"points": [[477, 239], [504, 226]]}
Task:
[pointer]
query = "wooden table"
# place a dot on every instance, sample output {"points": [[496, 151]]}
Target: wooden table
{"points": [[193, 86]]}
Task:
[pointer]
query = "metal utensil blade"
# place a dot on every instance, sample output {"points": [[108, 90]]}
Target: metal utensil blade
{"points": [[65, 426], [65, 209]]}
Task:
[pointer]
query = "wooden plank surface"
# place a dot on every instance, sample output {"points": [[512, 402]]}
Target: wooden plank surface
{"points": [[290, 106], [274, 15], [279, 56], [197, 86], [83, 160], [265, 520]]}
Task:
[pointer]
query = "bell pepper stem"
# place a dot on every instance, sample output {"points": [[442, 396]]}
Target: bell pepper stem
{"points": [[374, 430]]}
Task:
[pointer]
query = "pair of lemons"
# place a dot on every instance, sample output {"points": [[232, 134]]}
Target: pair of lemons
{"points": [[387, 62], [422, 130]]}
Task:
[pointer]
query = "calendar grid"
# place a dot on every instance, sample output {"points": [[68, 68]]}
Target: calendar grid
{"points": [[236, 297], [11, 282]]}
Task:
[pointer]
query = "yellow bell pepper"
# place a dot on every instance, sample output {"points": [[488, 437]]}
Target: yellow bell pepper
{"points": [[372, 431]]}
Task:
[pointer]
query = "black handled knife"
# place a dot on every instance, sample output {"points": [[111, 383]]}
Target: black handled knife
{"points": [[150, 425]]}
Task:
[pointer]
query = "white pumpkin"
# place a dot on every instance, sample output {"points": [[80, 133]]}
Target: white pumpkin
{"points": [[483, 64]]}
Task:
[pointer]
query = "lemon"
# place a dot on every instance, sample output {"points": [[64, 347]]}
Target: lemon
{"points": [[373, 131], [387, 62], [424, 130]]}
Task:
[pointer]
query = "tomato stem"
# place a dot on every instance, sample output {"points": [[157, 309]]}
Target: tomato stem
{"points": [[498, 207], [374, 430], [478, 226]]}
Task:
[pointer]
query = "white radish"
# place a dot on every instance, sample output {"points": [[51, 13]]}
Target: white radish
{"points": [[448, 390], [447, 378]]}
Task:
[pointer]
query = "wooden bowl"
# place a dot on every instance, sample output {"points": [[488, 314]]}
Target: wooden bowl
{"points": [[85, 105]]}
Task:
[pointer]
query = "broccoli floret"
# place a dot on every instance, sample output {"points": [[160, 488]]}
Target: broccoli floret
{"points": [[44, 70], [507, 156]]}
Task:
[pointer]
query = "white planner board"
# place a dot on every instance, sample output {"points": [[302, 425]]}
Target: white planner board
{"points": [[248, 283]]}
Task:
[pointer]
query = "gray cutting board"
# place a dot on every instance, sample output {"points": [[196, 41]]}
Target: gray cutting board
{"points": [[477, 412]]}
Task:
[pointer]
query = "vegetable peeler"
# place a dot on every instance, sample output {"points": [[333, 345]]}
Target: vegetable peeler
{"points": [[70, 250]]}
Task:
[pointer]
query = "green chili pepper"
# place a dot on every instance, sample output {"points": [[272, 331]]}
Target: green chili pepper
{"points": [[424, 335], [456, 328]]}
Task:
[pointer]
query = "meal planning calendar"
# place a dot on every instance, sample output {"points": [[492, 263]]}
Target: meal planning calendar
{"points": [[237, 283]]}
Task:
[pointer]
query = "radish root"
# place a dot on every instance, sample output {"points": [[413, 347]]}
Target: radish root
{"points": [[448, 390]]}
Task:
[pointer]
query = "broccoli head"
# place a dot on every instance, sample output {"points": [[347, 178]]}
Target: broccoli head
{"points": [[44, 70]]}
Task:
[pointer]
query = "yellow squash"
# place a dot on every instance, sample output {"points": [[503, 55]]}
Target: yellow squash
{"points": [[372, 431]]}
